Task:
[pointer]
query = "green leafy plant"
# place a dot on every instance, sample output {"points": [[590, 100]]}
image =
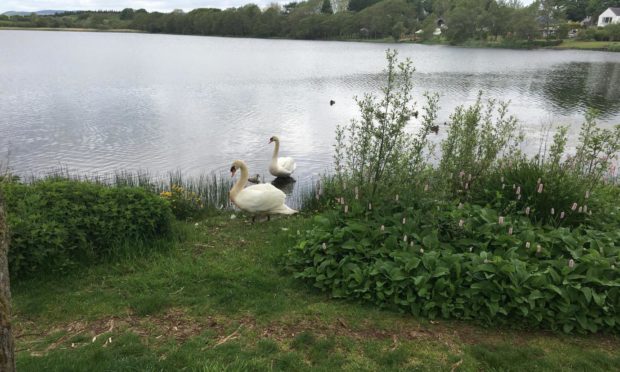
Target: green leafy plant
{"points": [[486, 234], [185, 204], [466, 262], [57, 224]]}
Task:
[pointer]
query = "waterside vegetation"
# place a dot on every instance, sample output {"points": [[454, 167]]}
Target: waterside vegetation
{"points": [[409, 255], [463, 22]]}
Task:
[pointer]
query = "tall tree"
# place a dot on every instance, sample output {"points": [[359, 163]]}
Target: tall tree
{"points": [[7, 347], [327, 7]]}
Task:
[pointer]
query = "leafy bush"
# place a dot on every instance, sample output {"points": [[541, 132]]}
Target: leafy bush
{"points": [[484, 233], [185, 204], [465, 262], [56, 224]]}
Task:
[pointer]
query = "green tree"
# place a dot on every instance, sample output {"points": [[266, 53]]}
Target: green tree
{"points": [[327, 7], [550, 15], [398, 30], [126, 14], [357, 5]]}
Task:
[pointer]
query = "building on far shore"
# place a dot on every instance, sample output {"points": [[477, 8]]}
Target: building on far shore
{"points": [[609, 16]]}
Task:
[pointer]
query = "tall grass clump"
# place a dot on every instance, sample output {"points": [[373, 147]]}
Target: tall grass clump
{"points": [[188, 197], [483, 232]]}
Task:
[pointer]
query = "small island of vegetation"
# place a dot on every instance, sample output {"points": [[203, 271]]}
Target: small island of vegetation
{"points": [[544, 23]]}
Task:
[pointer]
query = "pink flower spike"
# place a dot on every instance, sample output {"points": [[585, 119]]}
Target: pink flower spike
{"points": [[461, 222], [562, 215], [574, 206], [421, 250], [501, 220], [510, 231], [396, 197], [324, 246], [518, 190], [503, 186], [580, 209], [461, 174], [369, 206], [571, 263], [587, 194], [538, 248], [540, 188], [382, 228], [527, 244], [404, 220], [552, 211], [466, 185], [405, 238], [527, 211], [585, 209]]}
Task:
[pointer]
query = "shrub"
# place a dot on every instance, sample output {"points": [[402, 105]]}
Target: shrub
{"points": [[185, 204], [490, 269], [486, 233], [376, 152], [56, 224], [613, 31]]}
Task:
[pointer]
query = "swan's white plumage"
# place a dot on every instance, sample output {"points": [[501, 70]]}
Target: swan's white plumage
{"points": [[281, 167], [257, 199], [262, 199]]}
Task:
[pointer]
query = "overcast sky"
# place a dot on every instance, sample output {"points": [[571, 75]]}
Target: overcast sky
{"points": [[150, 5]]}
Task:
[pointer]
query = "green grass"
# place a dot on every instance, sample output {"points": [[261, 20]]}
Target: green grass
{"points": [[219, 299], [612, 46]]}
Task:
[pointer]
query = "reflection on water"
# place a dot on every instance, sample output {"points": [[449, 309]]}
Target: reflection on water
{"points": [[285, 184], [98, 102], [582, 86]]}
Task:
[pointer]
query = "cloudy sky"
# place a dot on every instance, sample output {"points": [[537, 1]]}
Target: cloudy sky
{"points": [[150, 5]]}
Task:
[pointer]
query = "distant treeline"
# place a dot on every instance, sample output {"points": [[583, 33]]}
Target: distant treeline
{"points": [[458, 20]]}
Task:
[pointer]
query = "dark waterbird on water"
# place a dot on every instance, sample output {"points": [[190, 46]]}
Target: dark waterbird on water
{"points": [[435, 129], [332, 102]]}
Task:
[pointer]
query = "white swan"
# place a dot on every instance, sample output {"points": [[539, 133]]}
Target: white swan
{"points": [[280, 167], [261, 199]]}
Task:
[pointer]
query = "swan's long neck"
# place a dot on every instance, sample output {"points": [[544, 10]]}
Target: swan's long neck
{"points": [[275, 150], [240, 182]]}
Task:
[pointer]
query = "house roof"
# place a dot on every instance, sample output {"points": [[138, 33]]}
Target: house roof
{"points": [[616, 11]]}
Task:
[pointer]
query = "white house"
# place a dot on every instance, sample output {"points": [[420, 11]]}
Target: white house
{"points": [[609, 16]]}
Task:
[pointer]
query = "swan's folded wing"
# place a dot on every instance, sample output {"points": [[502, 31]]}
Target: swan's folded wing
{"points": [[287, 163], [260, 198]]}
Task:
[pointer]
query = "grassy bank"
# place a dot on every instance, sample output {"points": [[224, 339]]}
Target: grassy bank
{"points": [[72, 29], [217, 298], [609, 46]]}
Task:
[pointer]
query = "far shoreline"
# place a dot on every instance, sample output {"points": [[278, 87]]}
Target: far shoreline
{"points": [[594, 46]]}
